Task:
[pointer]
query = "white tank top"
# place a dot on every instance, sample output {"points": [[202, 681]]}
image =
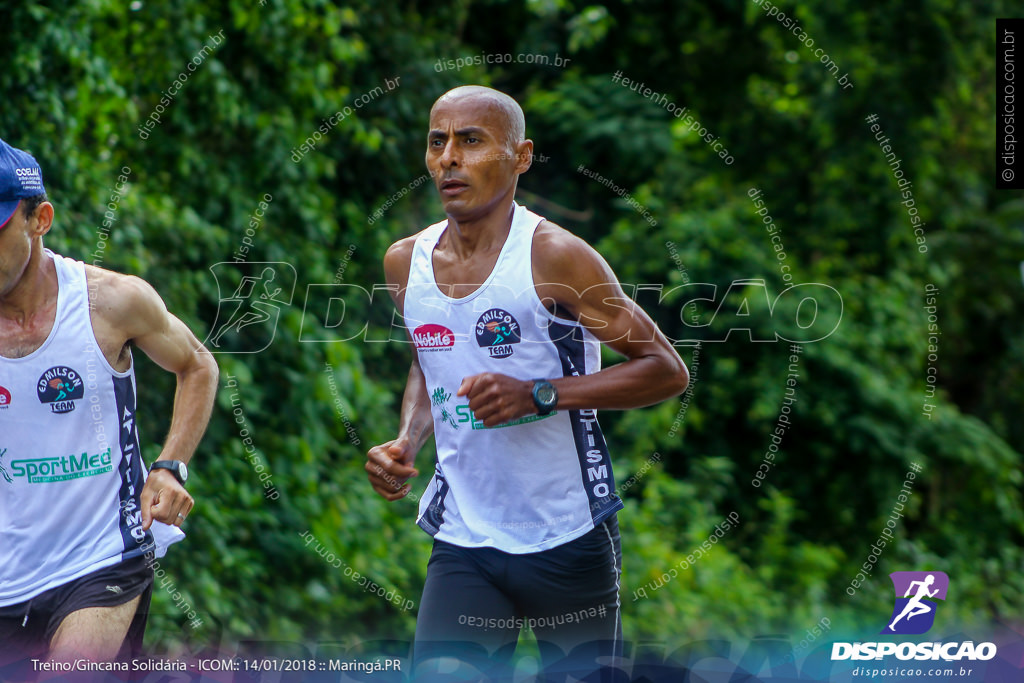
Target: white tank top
{"points": [[537, 482], [70, 466]]}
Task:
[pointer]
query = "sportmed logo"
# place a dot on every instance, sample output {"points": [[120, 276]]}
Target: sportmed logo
{"points": [[48, 470]]}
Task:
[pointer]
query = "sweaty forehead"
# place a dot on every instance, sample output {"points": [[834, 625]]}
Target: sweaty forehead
{"points": [[469, 111]]}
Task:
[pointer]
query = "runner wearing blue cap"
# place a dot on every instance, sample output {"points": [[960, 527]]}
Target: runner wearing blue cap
{"points": [[80, 514]]}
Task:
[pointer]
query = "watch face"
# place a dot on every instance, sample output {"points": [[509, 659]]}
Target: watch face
{"points": [[177, 467], [546, 394]]}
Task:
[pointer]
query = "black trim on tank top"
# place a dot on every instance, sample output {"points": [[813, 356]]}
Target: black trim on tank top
{"points": [[586, 432], [130, 470]]}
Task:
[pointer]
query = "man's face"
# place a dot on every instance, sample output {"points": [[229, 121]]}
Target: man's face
{"points": [[469, 157], [16, 247]]}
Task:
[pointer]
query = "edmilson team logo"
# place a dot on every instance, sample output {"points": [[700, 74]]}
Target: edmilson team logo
{"points": [[497, 331], [60, 386], [5, 398], [433, 337], [916, 596]]}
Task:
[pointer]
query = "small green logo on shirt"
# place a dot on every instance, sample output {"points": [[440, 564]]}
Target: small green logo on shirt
{"points": [[440, 398], [3, 470]]}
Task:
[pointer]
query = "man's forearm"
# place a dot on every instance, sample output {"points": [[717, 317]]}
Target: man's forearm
{"points": [[193, 404], [635, 383], [417, 422]]}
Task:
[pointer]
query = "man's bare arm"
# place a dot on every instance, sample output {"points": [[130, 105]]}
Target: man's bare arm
{"points": [[417, 423], [653, 370], [145, 321], [570, 273], [391, 464]]}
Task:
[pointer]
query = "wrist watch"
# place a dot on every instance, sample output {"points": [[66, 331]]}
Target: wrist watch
{"points": [[545, 396], [176, 467]]}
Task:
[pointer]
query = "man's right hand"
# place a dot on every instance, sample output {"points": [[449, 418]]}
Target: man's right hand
{"points": [[389, 466]]}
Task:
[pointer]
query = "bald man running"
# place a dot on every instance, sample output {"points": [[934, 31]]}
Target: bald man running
{"points": [[79, 514], [507, 312]]}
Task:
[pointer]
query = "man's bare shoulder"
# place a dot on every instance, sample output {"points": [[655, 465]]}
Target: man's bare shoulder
{"points": [[561, 256], [125, 302], [551, 235], [398, 258]]}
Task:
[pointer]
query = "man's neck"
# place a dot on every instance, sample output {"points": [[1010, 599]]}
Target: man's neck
{"points": [[36, 287], [479, 235]]}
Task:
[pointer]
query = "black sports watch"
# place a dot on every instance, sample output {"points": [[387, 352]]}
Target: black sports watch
{"points": [[545, 396], [176, 467]]}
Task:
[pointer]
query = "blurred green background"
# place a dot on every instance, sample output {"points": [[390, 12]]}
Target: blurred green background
{"points": [[80, 78]]}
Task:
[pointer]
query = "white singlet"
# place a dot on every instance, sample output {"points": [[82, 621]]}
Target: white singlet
{"points": [[524, 486], [70, 467]]}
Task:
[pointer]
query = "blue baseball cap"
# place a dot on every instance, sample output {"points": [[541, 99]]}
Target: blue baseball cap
{"points": [[20, 177]]}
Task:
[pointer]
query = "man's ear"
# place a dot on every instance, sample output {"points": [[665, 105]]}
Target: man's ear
{"points": [[44, 219], [524, 156]]}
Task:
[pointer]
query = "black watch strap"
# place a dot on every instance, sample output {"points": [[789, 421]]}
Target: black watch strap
{"points": [[176, 467]]}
